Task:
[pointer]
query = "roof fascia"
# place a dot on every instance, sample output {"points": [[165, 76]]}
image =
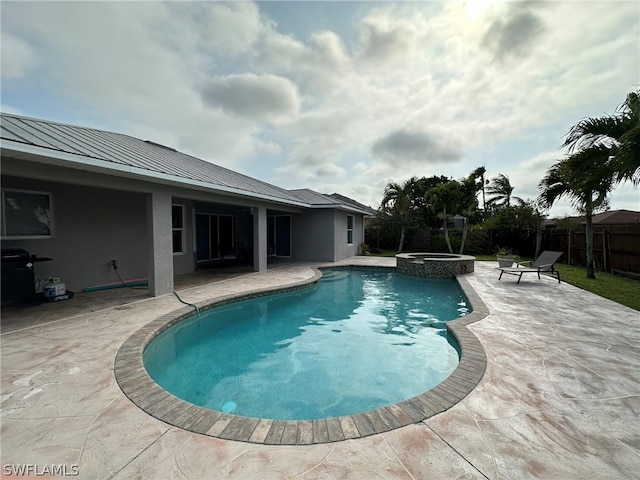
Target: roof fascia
{"points": [[339, 206]]}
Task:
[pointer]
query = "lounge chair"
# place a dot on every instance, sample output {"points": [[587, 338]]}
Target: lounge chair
{"points": [[543, 264]]}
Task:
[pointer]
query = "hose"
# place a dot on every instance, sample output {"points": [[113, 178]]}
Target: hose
{"points": [[187, 303], [128, 285]]}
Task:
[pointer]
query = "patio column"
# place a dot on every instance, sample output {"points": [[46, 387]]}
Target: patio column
{"points": [[259, 239], [160, 241]]}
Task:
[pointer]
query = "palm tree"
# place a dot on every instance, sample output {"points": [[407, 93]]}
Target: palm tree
{"points": [[500, 190], [627, 158], [397, 200], [585, 177], [602, 151], [620, 134], [478, 174]]}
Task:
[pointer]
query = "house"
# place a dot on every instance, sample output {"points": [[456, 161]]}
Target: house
{"points": [[605, 220], [85, 197]]}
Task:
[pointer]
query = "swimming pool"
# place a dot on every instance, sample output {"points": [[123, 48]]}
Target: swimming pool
{"points": [[356, 341]]}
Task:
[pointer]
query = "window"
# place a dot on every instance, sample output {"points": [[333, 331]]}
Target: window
{"points": [[350, 229], [26, 214], [177, 224]]}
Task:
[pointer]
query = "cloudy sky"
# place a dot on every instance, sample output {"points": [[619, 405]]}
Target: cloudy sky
{"points": [[334, 96]]}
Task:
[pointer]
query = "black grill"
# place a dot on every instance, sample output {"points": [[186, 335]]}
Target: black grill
{"points": [[18, 279]]}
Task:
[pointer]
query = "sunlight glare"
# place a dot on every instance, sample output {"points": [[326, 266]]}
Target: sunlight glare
{"points": [[475, 8]]}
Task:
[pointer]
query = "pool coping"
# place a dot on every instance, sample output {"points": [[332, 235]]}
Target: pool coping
{"points": [[147, 395]]}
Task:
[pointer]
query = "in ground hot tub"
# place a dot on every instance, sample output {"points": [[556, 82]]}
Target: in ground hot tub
{"points": [[434, 265]]}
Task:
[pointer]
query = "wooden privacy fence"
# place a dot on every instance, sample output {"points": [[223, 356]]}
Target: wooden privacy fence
{"points": [[616, 248]]}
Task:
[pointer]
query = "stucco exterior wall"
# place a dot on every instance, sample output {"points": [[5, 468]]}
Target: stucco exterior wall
{"points": [[185, 262], [342, 248], [321, 235], [312, 236], [91, 227]]}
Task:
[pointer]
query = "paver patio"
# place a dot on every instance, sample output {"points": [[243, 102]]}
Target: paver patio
{"points": [[560, 398]]}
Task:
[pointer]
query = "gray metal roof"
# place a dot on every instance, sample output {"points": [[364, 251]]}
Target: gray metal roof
{"points": [[320, 200], [124, 150], [313, 198], [350, 201]]}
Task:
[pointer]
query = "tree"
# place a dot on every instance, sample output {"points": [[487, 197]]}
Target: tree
{"points": [[397, 200], [627, 156], [601, 152], [454, 197], [619, 134], [427, 217], [586, 178], [500, 190], [468, 202], [535, 208], [512, 227], [478, 174], [443, 198]]}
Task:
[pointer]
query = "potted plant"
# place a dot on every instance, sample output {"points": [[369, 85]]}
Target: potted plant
{"points": [[505, 257]]}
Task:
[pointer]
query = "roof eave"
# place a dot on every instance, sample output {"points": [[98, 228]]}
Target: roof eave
{"points": [[339, 206], [80, 162]]}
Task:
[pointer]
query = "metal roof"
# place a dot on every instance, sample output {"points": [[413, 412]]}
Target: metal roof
{"points": [[123, 150], [352, 202], [313, 198], [320, 200]]}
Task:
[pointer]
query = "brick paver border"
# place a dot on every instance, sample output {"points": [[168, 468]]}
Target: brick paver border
{"points": [[138, 386]]}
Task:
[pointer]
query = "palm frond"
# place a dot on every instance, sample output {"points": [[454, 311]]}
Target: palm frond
{"points": [[595, 131]]}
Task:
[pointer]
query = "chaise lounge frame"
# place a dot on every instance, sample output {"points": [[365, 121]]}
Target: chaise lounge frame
{"points": [[544, 264]]}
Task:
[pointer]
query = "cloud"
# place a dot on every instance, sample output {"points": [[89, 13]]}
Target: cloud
{"points": [[400, 89], [9, 109], [318, 67], [514, 35], [386, 39], [330, 170], [228, 28], [405, 145], [251, 96], [526, 175], [311, 173], [18, 57]]}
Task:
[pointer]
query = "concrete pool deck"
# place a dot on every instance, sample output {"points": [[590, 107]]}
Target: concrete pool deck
{"points": [[560, 397]]}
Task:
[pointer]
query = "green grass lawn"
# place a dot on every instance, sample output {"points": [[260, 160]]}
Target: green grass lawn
{"points": [[619, 289], [625, 291]]}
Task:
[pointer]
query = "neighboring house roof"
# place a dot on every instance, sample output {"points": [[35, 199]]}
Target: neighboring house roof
{"points": [[128, 154], [612, 217], [617, 217]]}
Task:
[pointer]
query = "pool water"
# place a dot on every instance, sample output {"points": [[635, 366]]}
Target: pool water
{"points": [[356, 341]]}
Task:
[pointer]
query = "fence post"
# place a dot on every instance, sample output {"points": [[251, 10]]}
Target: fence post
{"points": [[605, 250], [569, 243]]}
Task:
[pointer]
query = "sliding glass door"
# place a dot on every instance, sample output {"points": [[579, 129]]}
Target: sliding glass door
{"points": [[215, 236], [279, 235]]}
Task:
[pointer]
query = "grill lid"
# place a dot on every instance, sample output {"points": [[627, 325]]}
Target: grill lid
{"points": [[15, 255]]}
